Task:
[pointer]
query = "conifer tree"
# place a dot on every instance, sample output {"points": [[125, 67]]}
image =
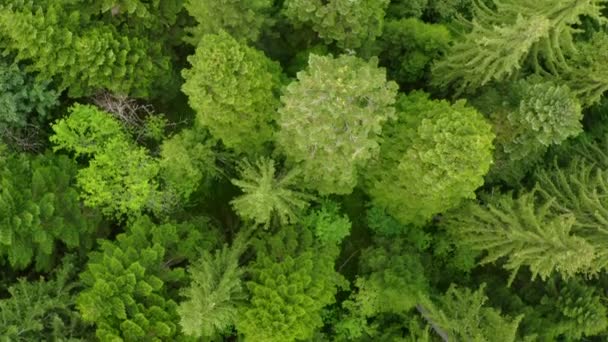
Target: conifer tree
{"points": [[526, 233], [214, 292], [267, 196], [234, 90], [126, 283], [86, 54], [434, 156], [292, 280], [501, 40], [40, 209], [331, 118], [43, 310], [461, 315]]}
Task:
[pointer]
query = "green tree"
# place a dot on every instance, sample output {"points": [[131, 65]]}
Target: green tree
{"points": [[187, 162], [529, 116], [331, 118], [409, 46], [461, 315], [127, 282], [42, 310], [516, 32], [243, 20], [329, 225], [292, 280], [525, 233], [349, 23], [121, 178], [86, 54], [40, 210], [22, 96], [267, 196], [234, 90], [434, 156], [214, 292]]}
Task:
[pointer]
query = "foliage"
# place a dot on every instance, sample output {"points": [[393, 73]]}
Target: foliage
{"points": [[186, 162], [327, 223], [501, 40], [87, 55], [331, 118], [268, 197], [526, 234], [292, 279], [40, 210], [126, 284], [42, 310], [23, 95], [242, 20], [349, 23], [214, 291], [409, 46], [460, 314], [121, 177], [529, 116], [434, 156], [233, 88]]}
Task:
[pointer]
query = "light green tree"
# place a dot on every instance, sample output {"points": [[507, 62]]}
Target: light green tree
{"points": [[268, 197], [331, 118], [434, 156], [234, 90]]}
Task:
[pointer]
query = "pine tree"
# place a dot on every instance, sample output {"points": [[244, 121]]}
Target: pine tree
{"points": [[331, 118], [292, 280], [234, 90], [267, 196], [461, 315], [40, 210], [43, 310], [214, 292], [86, 55], [126, 283], [434, 156], [526, 233]]}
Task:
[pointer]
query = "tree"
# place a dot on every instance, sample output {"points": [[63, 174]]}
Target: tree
{"points": [[434, 156], [391, 280], [501, 40], [409, 46], [121, 178], [242, 20], [526, 234], [529, 116], [22, 96], [349, 23], [460, 315], [214, 292], [86, 54], [234, 90], [127, 282], [43, 309], [186, 162], [327, 223], [331, 118], [292, 279], [268, 197], [40, 210]]}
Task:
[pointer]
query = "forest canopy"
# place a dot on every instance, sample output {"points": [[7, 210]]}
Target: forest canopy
{"points": [[303, 170]]}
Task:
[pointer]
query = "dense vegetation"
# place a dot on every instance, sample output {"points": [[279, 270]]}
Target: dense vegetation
{"points": [[303, 170]]}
